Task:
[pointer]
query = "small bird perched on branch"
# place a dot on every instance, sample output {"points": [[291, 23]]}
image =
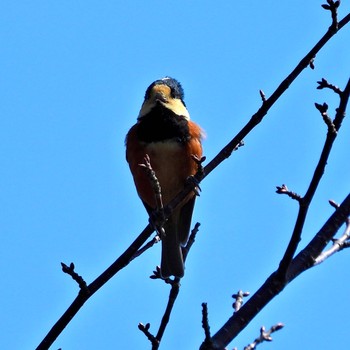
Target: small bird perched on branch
{"points": [[166, 134]]}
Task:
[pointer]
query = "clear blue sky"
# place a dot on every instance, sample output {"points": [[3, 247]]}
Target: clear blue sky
{"points": [[72, 80]]}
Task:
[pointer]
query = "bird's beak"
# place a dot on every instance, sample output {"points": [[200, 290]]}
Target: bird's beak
{"points": [[159, 97]]}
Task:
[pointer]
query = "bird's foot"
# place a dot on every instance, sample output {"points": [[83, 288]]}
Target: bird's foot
{"points": [[157, 220]]}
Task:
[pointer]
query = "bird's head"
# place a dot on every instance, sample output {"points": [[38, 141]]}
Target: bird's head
{"points": [[168, 93]]}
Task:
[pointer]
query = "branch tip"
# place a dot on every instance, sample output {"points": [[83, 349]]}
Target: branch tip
{"points": [[323, 108], [332, 6], [262, 95], [69, 270], [205, 324], [191, 240], [284, 190], [145, 330], [264, 336], [324, 84], [333, 204]]}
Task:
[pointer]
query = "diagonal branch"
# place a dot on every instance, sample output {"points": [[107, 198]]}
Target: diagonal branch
{"points": [[174, 292], [290, 267], [273, 285], [304, 202], [260, 114], [126, 257]]}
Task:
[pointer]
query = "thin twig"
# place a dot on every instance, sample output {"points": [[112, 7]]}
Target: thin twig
{"points": [[264, 336], [333, 7], [174, 292], [126, 257], [146, 165], [191, 240], [338, 244], [273, 285], [155, 340], [175, 286], [290, 268], [284, 190], [326, 118], [77, 278], [145, 330], [324, 84], [305, 201], [147, 246], [207, 344]]}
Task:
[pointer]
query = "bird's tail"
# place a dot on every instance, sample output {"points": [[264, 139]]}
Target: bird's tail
{"points": [[176, 229], [172, 263]]}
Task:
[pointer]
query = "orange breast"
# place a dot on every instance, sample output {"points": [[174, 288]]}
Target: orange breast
{"points": [[172, 162]]}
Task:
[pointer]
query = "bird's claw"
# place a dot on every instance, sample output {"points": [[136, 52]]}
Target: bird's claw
{"points": [[192, 180], [157, 220]]}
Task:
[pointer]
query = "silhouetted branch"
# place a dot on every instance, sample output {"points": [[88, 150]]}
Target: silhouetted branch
{"points": [[146, 165], [264, 336], [77, 278], [284, 190], [305, 201], [339, 243], [128, 255], [207, 344], [323, 84], [273, 285], [80, 300], [147, 246], [145, 330], [290, 268], [326, 118], [190, 241], [333, 7], [174, 291]]}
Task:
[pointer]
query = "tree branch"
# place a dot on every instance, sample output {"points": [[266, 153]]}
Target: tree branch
{"points": [[273, 285], [127, 256], [174, 292], [305, 202]]}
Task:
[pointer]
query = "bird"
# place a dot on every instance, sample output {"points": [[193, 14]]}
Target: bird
{"points": [[165, 132]]}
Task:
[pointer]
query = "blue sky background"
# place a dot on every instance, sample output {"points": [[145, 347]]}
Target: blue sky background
{"points": [[73, 76]]}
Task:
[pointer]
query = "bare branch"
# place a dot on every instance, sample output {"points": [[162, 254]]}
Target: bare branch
{"points": [[207, 344], [323, 110], [157, 217], [259, 115], [338, 244], [80, 300], [154, 181], [274, 285], [284, 190], [264, 336], [191, 240], [174, 291], [333, 7], [147, 246], [263, 96], [305, 201], [145, 330], [323, 84], [126, 257], [77, 278]]}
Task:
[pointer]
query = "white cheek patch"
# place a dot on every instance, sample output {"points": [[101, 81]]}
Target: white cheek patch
{"points": [[178, 108], [146, 108]]}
